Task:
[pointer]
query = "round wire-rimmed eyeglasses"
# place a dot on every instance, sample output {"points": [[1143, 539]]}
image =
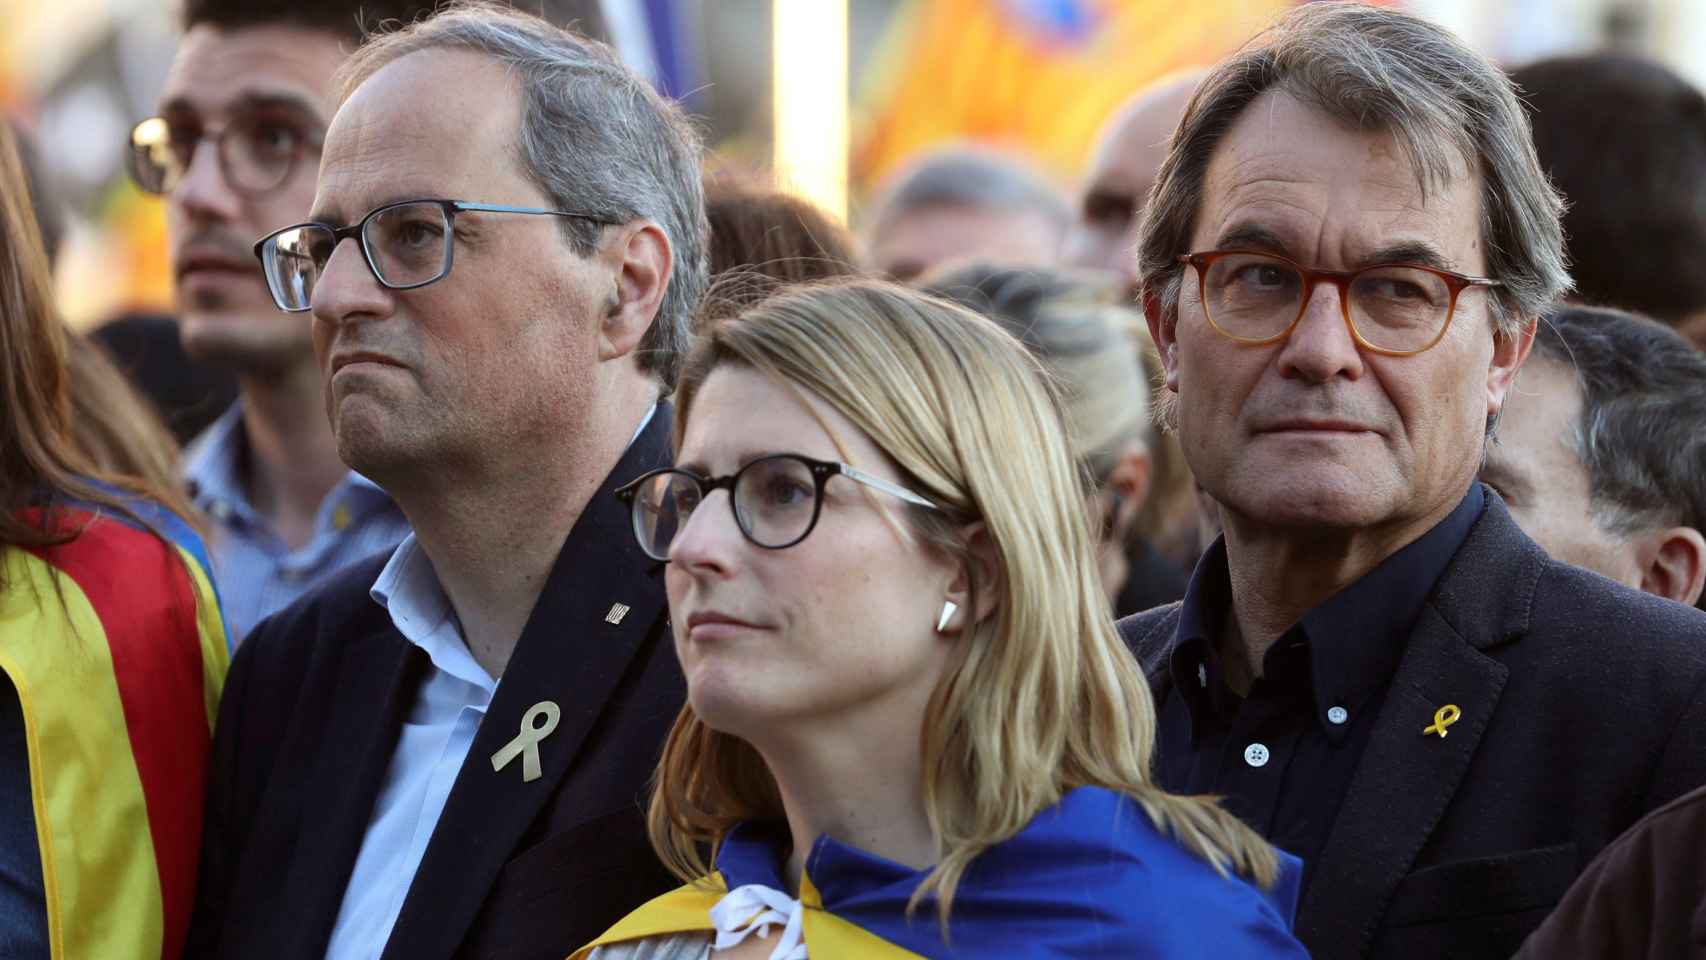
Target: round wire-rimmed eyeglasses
{"points": [[257, 152], [1393, 309], [407, 244], [776, 500]]}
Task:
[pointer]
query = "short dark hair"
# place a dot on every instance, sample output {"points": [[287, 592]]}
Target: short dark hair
{"points": [[1624, 139], [1642, 430], [349, 20]]}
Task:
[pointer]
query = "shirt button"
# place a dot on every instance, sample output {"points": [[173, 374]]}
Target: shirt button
{"points": [[1337, 715], [1256, 755]]}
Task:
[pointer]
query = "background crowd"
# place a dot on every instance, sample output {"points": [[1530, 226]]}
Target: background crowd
{"points": [[1335, 448]]}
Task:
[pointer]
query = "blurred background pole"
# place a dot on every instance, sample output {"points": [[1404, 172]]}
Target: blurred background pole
{"points": [[810, 100]]}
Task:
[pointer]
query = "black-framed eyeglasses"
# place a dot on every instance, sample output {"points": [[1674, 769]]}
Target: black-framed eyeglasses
{"points": [[776, 500], [407, 244], [1395, 309], [257, 151]]}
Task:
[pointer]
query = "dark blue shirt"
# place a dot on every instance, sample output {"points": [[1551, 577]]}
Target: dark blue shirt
{"points": [[1283, 755], [23, 903]]}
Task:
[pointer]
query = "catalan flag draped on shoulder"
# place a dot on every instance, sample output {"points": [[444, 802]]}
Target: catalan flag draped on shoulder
{"points": [[1088, 877], [115, 648]]}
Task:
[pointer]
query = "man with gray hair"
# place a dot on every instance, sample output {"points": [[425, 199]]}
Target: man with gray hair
{"points": [[446, 752], [962, 203], [1342, 262], [1601, 454]]}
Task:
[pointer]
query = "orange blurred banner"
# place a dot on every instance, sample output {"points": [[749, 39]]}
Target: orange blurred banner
{"points": [[1039, 76]]}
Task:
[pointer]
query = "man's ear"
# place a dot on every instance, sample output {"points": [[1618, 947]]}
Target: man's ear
{"points": [[1673, 565], [1162, 331], [1509, 352], [983, 568], [643, 261], [1130, 477]]}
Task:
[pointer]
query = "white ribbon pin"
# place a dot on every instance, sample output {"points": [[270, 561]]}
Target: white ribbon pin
{"points": [[526, 743]]}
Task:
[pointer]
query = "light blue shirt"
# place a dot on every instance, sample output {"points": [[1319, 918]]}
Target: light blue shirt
{"points": [[257, 572], [436, 737]]}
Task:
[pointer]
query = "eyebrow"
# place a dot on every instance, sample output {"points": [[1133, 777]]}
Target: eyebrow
{"points": [[253, 101], [1254, 236], [402, 196]]}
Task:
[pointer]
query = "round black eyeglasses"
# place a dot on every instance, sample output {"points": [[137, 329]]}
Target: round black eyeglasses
{"points": [[776, 500], [406, 244]]}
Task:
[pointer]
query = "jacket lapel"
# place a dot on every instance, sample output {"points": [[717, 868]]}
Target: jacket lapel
{"points": [[351, 761], [1407, 778], [575, 649]]}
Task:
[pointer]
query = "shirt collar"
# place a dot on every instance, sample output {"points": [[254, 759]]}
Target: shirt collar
{"points": [[409, 590], [212, 466], [1355, 638]]}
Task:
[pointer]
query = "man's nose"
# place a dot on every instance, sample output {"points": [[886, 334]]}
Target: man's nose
{"points": [[346, 287], [1321, 346], [203, 191]]}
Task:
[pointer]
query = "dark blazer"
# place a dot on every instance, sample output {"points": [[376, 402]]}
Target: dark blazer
{"points": [[1583, 708], [313, 708]]}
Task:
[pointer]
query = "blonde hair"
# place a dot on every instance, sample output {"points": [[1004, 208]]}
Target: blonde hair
{"points": [[1037, 699]]}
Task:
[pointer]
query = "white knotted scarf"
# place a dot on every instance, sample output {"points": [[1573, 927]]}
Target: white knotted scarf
{"points": [[756, 908]]}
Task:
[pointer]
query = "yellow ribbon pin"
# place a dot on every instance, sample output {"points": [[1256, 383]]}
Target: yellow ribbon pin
{"points": [[526, 743], [1443, 717]]}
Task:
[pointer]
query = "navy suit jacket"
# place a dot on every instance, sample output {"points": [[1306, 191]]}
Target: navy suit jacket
{"points": [[1583, 708], [312, 710]]}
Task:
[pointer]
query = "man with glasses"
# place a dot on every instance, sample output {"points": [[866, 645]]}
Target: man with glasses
{"points": [[1341, 264], [446, 751], [233, 151]]}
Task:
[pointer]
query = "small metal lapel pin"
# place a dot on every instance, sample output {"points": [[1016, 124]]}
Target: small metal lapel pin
{"points": [[526, 743], [617, 612], [1443, 717]]}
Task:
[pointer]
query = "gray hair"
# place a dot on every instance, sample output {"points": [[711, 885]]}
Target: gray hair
{"points": [[1086, 340], [974, 177], [1642, 430], [1377, 70], [595, 137]]}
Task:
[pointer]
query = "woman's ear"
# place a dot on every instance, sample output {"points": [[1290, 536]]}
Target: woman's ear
{"points": [[982, 567]]}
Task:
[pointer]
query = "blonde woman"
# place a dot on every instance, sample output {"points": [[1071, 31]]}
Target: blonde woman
{"points": [[912, 729]]}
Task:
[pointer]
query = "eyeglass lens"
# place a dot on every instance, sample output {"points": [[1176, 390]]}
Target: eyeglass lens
{"points": [[408, 245], [775, 501], [1253, 297], [256, 151]]}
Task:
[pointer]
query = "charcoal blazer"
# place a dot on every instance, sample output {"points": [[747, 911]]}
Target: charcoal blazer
{"points": [[312, 712], [1583, 708]]}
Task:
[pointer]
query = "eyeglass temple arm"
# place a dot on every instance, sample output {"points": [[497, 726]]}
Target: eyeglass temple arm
{"points": [[895, 490]]}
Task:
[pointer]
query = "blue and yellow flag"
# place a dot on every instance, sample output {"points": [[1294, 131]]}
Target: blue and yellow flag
{"points": [[1089, 877]]}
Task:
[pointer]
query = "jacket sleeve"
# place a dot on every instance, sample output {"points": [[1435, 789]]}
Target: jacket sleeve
{"points": [[1640, 899], [228, 807]]}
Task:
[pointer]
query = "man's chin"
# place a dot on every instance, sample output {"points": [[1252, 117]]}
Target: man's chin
{"points": [[245, 345], [1306, 500]]}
